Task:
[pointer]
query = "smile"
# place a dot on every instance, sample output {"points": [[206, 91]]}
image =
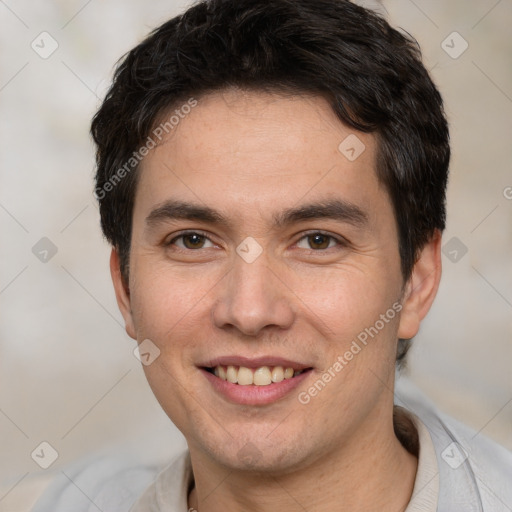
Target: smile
{"points": [[261, 376], [254, 381]]}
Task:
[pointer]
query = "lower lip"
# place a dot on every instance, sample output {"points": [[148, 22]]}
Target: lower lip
{"points": [[252, 394]]}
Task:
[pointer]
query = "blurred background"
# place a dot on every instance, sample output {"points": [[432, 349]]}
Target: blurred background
{"points": [[68, 376]]}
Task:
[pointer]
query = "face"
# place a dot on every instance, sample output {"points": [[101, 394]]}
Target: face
{"points": [[259, 242]]}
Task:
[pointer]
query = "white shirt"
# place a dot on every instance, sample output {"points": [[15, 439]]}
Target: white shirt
{"points": [[458, 471], [169, 492], [426, 486]]}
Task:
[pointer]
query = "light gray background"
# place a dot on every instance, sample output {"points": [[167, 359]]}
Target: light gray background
{"points": [[67, 372]]}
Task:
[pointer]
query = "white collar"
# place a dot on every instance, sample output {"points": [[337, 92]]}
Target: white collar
{"points": [[169, 492]]}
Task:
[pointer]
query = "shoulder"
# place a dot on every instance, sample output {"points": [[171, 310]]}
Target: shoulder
{"points": [[490, 463], [471, 466], [170, 489], [104, 483]]}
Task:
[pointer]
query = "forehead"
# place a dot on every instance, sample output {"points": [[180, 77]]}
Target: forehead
{"points": [[255, 152]]}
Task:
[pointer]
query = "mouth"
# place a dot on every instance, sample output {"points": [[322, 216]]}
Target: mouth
{"points": [[259, 381], [260, 376]]}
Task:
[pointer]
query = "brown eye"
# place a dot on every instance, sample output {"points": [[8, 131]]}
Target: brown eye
{"points": [[317, 241], [191, 241]]}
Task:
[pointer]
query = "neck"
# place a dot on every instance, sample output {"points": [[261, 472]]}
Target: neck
{"points": [[371, 471]]}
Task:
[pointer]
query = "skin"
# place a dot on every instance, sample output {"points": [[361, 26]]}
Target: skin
{"points": [[250, 155]]}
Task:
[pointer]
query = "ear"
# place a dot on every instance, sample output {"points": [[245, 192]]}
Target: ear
{"points": [[122, 293], [421, 288]]}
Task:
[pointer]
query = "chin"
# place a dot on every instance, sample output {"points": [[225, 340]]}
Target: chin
{"points": [[257, 456]]}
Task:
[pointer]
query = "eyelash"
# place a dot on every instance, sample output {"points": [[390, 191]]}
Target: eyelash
{"points": [[340, 241]]}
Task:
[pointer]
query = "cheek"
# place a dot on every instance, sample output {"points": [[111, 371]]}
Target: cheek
{"points": [[344, 301], [169, 308], [164, 299]]}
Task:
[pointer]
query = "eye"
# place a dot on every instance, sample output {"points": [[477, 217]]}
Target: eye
{"points": [[191, 240], [318, 241]]}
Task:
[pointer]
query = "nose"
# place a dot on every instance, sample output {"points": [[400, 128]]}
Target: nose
{"points": [[252, 297]]}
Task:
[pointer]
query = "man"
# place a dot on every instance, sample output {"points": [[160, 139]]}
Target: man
{"points": [[271, 177]]}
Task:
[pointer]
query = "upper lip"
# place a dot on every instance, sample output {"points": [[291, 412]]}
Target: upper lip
{"points": [[256, 362]]}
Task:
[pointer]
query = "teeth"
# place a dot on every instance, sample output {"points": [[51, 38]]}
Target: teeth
{"points": [[277, 374], [222, 372], [244, 376], [232, 374], [262, 376]]}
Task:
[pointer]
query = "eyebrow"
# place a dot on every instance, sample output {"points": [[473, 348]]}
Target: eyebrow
{"points": [[335, 209]]}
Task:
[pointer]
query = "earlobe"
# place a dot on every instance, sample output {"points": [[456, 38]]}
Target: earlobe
{"points": [[421, 288], [122, 293]]}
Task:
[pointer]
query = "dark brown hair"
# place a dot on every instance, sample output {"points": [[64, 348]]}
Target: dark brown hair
{"points": [[370, 73]]}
